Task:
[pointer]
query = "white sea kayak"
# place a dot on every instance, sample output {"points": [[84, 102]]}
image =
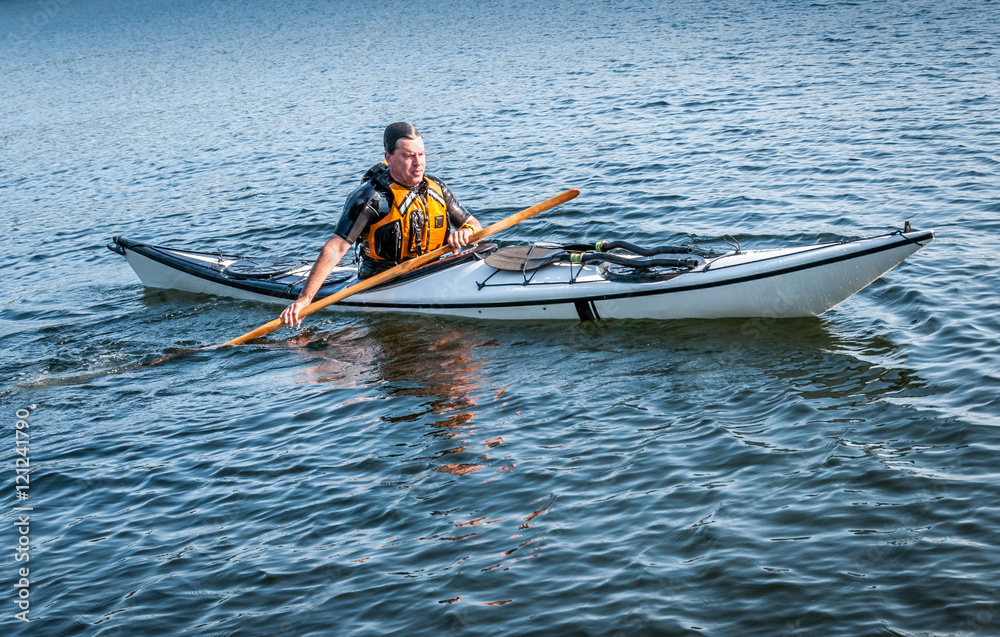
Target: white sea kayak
{"points": [[552, 282]]}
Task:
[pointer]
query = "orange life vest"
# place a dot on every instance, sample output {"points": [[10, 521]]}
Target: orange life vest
{"points": [[421, 215]]}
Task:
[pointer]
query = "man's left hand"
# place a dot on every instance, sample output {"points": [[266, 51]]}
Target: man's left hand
{"points": [[459, 239]]}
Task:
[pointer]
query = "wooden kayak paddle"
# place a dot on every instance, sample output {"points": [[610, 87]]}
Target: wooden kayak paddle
{"points": [[409, 265]]}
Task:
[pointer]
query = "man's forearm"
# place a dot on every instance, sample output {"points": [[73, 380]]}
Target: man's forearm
{"points": [[331, 254]]}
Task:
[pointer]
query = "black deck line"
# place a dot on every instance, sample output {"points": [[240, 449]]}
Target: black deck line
{"points": [[154, 252]]}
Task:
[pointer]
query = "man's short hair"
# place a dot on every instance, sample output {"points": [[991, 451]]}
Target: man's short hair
{"points": [[394, 132]]}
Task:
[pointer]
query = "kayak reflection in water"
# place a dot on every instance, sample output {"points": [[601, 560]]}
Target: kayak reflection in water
{"points": [[396, 214]]}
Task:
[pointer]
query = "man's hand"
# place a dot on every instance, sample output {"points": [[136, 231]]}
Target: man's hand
{"points": [[290, 315], [460, 238]]}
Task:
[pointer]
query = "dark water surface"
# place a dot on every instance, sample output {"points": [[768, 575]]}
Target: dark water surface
{"points": [[425, 476]]}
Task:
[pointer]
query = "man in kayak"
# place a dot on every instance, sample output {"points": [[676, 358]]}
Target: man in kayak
{"points": [[397, 213]]}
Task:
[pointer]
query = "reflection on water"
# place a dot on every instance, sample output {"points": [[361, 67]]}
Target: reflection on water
{"points": [[778, 387], [431, 373], [403, 357], [809, 358]]}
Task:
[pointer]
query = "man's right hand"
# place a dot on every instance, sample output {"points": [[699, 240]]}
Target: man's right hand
{"points": [[290, 315]]}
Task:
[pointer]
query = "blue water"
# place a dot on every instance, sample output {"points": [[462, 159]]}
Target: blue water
{"points": [[393, 475]]}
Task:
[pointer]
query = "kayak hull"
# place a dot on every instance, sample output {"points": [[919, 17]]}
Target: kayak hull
{"points": [[775, 283]]}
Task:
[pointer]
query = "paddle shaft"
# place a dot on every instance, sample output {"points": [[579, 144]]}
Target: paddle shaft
{"points": [[408, 266]]}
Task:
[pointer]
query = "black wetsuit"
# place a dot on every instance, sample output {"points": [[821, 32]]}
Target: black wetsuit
{"points": [[372, 201]]}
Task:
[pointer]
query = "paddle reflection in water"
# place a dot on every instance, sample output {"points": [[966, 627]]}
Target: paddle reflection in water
{"points": [[433, 469]]}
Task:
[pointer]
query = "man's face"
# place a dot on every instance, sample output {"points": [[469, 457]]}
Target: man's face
{"points": [[406, 163]]}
